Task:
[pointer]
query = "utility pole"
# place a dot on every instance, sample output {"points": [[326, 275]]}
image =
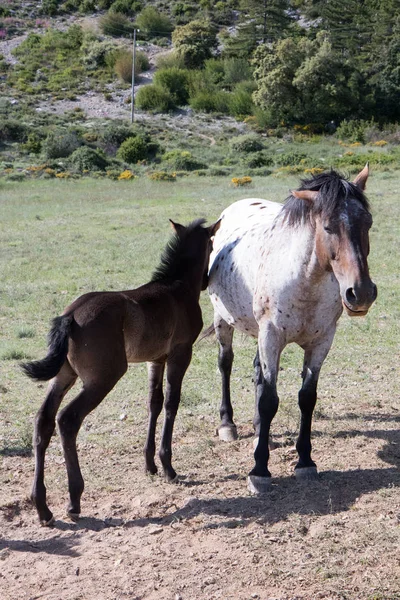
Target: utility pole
{"points": [[133, 76]]}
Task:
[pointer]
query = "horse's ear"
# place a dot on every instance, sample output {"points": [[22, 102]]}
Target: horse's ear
{"points": [[177, 228], [212, 230], [308, 195], [361, 179]]}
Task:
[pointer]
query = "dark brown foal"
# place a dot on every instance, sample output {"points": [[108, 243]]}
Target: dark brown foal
{"points": [[100, 333]]}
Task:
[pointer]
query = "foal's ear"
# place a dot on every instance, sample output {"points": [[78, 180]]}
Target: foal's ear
{"points": [[361, 179], [308, 195], [212, 230], [177, 228]]}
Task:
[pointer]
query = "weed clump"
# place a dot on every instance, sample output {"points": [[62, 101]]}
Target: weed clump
{"points": [[88, 159]]}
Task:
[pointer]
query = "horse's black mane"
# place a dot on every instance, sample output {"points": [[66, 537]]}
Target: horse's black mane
{"points": [[175, 258], [334, 189]]}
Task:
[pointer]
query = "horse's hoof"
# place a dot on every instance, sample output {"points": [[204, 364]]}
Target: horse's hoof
{"points": [[258, 485], [306, 474], [174, 479], [48, 523], [227, 433], [74, 516]]}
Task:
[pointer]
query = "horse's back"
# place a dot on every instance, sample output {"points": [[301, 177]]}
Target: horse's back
{"points": [[235, 259]]}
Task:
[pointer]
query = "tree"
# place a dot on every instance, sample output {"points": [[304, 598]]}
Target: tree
{"points": [[305, 81], [261, 21], [195, 42], [153, 24]]}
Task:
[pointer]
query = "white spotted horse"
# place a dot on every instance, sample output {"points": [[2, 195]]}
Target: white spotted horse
{"points": [[283, 274], [100, 333]]}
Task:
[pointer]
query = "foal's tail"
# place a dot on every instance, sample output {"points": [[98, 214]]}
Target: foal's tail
{"points": [[206, 333], [48, 367]]}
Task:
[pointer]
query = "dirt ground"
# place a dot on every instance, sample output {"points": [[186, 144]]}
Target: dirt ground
{"points": [[206, 537]]}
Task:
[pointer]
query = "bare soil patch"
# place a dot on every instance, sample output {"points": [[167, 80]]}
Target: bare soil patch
{"points": [[207, 538]]}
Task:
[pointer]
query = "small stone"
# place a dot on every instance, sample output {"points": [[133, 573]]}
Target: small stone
{"points": [[123, 417]]}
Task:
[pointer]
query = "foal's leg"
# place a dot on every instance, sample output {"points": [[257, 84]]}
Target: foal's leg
{"points": [[177, 364], [155, 404], [267, 401], [227, 430], [44, 428], [313, 359], [69, 422]]}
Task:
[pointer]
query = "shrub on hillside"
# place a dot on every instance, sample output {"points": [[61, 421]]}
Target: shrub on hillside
{"points": [[60, 144], [88, 159], [175, 81], [115, 135], [133, 150], [122, 60], [210, 101], [195, 42], [127, 7], [259, 159], [115, 24], [241, 100], [12, 130], [154, 99], [152, 23], [246, 143], [182, 161]]}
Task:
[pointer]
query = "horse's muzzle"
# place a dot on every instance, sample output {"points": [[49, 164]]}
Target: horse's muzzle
{"points": [[358, 300]]}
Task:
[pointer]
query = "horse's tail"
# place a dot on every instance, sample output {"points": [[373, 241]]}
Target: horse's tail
{"points": [[206, 333], [48, 367]]}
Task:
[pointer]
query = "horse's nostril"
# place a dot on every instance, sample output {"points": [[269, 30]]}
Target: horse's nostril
{"points": [[375, 291], [350, 296]]}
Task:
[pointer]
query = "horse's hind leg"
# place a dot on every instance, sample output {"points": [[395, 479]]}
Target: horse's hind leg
{"points": [[69, 422], [44, 428], [177, 364], [155, 404], [224, 332], [313, 359]]}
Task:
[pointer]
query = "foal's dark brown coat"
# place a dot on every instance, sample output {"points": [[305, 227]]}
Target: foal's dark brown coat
{"points": [[100, 333]]}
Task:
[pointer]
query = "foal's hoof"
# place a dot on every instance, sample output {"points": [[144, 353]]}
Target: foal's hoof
{"points": [[258, 485], [227, 433], [74, 516], [47, 523], [306, 474]]}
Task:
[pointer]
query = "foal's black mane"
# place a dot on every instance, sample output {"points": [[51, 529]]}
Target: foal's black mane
{"points": [[176, 257], [334, 189]]}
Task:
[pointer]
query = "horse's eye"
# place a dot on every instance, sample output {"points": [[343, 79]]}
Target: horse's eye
{"points": [[328, 229]]}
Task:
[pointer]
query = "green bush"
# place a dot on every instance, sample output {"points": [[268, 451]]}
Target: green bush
{"points": [[210, 101], [169, 61], [175, 81], [115, 135], [354, 130], [60, 144], [33, 145], [123, 6], [87, 159], [133, 150], [152, 23], [246, 143], [182, 161], [259, 159], [49, 7], [154, 99], [241, 100], [12, 130], [290, 159], [236, 70], [115, 24]]}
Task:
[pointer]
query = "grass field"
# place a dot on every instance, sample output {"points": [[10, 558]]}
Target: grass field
{"points": [[337, 538]]}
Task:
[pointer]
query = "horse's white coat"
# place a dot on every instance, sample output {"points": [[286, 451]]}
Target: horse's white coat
{"points": [[263, 271]]}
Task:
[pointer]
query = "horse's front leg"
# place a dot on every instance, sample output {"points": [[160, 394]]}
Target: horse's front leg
{"points": [[227, 431], [266, 370], [155, 404], [313, 359], [177, 364]]}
